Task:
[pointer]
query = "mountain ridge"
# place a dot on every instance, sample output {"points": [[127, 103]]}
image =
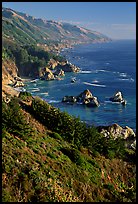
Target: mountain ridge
{"points": [[43, 31]]}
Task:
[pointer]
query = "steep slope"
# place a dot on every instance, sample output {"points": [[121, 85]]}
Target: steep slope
{"points": [[41, 165], [23, 28]]}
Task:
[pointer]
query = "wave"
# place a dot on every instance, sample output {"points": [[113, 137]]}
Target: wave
{"points": [[53, 101], [122, 79], [45, 93], [100, 85], [123, 74], [112, 102], [20, 89], [102, 70], [95, 81], [35, 89], [85, 72]]}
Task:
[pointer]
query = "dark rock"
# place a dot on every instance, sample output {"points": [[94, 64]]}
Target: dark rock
{"points": [[70, 99], [85, 98], [118, 97], [84, 95], [92, 102], [68, 67], [59, 72]]}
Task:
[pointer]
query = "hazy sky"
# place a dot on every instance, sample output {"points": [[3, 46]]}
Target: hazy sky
{"points": [[114, 19]]}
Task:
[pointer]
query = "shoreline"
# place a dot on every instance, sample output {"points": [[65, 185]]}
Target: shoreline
{"points": [[11, 90]]}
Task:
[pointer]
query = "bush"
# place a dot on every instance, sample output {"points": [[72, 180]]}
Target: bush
{"points": [[55, 135], [74, 156], [13, 120], [25, 95], [75, 131]]}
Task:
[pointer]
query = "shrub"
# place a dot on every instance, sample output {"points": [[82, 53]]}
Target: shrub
{"points": [[55, 135], [13, 120], [74, 156], [25, 95]]}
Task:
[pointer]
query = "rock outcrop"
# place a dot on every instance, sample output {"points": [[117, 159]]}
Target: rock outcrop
{"points": [[18, 84], [59, 72], [67, 67], [118, 97], [115, 131], [46, 74], [86, 98], [52, 64], [69, 99]]}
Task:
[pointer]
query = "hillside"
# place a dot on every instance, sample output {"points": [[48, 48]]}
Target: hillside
{"points": [[49, 156], [30, 43], [25, 29]]}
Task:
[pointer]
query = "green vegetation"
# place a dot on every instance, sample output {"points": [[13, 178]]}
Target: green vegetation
{"points": [[50, 156], [28, 58], [76, 132]]}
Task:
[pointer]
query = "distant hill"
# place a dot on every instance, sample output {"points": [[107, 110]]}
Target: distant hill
{"points": [[24, 29]]}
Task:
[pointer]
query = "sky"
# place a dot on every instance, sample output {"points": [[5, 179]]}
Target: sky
{"points": [[117, 20]]}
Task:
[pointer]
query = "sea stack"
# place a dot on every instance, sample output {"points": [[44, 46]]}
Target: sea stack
{"points": [[86, 98], [118, 97]]}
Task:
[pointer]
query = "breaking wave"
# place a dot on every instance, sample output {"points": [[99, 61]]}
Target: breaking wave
{"points": [[100, 85]]}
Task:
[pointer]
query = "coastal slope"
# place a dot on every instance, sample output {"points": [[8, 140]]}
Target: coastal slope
{"points": [[24, 29]]}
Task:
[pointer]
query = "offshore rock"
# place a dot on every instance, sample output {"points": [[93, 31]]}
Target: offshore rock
{"points": [[67, 67], [91, 102], [86, 94], [118, 97], [86, 98], [70, 99], [46, 74], [115, 131]]}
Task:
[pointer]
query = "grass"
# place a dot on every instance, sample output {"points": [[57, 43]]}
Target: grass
{"points": [[45, 166]]}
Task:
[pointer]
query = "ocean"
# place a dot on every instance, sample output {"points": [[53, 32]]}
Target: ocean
{"points": [[105, 68]]}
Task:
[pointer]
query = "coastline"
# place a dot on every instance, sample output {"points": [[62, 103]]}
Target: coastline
{"points": [[10, 90]]}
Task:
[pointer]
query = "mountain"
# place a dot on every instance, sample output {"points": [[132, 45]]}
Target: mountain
{"points": [[48, 155], [24, 29]]}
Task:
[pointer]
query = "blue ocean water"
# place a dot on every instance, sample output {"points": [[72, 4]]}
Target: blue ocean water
{"points": [[105, 69]]}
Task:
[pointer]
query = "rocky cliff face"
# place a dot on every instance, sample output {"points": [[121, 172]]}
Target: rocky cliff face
{"points": [[9, 71]]}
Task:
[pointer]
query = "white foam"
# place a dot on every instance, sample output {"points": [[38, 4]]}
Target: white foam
{"points": [[125, 79], [123, 74], [95, 81], [54, 101], [35, 89], [45, 93], [85, 72], [112, 102], [100, 85], [20, 89], [101, 70]]}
